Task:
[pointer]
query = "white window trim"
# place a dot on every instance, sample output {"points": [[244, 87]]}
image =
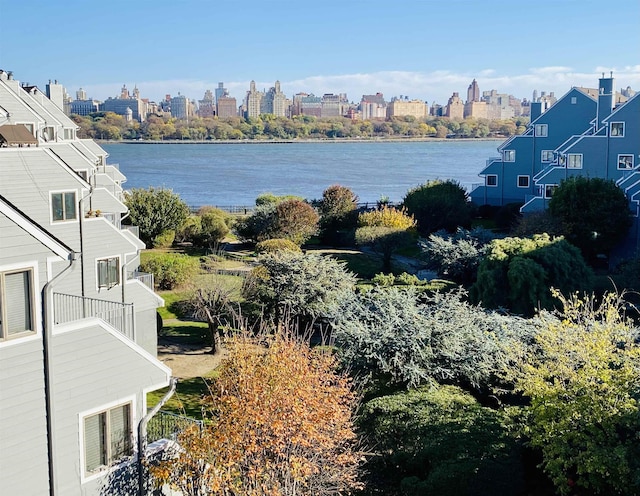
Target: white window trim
{"points": [[528, 182], [36, 310], [542, 154], [84, 476], [568, 166], [491, 185], [633, 162], [63, 221], [540, 127], [545, 190], [86, 171], [107, 288], [623, 129], [504, 156]]}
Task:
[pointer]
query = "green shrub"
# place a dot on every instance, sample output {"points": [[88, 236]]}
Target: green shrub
{"points": [[170, 270], [189, 230], [407, 279], [277, 244], [384, 280], [213, 228], [164, 239]]}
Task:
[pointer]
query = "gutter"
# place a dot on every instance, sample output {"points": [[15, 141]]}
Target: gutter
{"points": [[46, 343], [142, 434]]}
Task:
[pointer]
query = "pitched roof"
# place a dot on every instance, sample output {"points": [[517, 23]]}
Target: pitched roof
{"points": [[16, 134]]}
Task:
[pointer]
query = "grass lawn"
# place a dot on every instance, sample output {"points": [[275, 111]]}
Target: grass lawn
{"points": [[187, 400], [186, 332]]}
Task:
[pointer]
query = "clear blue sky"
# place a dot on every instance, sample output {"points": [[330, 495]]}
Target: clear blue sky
{"points": [[424, 49]]}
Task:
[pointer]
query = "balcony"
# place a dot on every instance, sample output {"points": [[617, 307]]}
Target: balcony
{"points": [[167, 425], [144, 277], [70, 308]]}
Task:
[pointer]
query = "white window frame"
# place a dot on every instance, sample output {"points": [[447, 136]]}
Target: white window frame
{"points": [[541, 130], [549, 189], [574, 100], [574, 156], [523, 177], [508, 155], [64, 213], [29, 298], [112, 462], [83, 173], [544, 156], [46, 135], [69, 133], [620, 133], [108, 284], [630, 155], [487, 180]]}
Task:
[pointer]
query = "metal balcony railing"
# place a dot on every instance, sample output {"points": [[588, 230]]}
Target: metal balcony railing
{"points": [[69, 308], [133, 229], [144, 277], [167, 425]]}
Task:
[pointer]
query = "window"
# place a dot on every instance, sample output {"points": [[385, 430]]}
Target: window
{"points": [[523, 181], [509, 155], [574, 100], [63, 206], [617, 129], [107, 438], [547, 156], [541, 130], [492, 180], [108, 272], [48, 134], [625, 162], [83, 174], [16, 303], [574, 161], [68, 134], [549, 189]]}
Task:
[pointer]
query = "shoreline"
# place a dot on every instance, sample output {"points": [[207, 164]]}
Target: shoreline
{"points": [[290, 141]]}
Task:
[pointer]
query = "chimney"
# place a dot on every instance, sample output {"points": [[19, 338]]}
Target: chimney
{"points": [[536, 110], [606, 98]]}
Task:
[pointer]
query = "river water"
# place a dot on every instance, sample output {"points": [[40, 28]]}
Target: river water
{"points": [[235, 174]]}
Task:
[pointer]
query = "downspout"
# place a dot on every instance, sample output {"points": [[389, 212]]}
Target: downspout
{"points": [[142, 434], [46, 343], [123, 279], [81, 225]]}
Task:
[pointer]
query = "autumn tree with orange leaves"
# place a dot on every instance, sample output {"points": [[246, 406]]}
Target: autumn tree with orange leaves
{"points": [[281, 423]]}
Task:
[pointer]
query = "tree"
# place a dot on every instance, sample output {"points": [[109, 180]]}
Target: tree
{"points": [[397, 337], [213, 305], [439, 440], [213, 227], [292, 284], [582, 379], [386, 230], [438, 205], [516, 273], [594, 213], [155, 211], [338, 212], [281, 423]]}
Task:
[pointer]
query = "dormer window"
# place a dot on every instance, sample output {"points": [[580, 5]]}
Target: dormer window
{"points": [[509, 155], [617, 129], [48, 133], [541, 130]]}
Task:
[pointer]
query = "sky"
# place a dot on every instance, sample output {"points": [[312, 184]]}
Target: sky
{"points": [[423, 49]]}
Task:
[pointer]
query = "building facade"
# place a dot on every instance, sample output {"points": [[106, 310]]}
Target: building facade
{"points": [[77, 320], [402, 107], [119, 105]]}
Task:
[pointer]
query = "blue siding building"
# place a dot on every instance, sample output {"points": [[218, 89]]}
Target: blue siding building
{"points": [[580, 135]]}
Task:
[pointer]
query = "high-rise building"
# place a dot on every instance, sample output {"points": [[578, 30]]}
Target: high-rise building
{"points": [[373, 107], [58, 95], [274, 102], [227, 106], [333, 105], [119, 105], [307, 104], [207, 106], [180, 107], [402, 107], [473, 92], [220, 91], [81, 94], [455, 107], [253, 101]]}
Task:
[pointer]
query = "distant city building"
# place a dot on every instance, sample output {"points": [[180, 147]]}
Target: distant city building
{"points": [[473, 92], [220, 91], [306, 104], [84, 107], [373, 107], [402, 107], [455, 107], [81, 94], [180, 107], [333, 105], [207, 106], [274, 102], [253, 101], [437, 110], [119, 105], [227, 106]]}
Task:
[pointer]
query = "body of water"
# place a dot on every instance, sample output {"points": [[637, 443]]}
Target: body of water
{"points": [[235, 174]]}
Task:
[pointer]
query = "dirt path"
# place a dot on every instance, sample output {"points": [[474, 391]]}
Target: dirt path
{"points": [[187, 361]]}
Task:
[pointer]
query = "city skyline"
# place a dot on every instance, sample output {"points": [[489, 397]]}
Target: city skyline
{"points": [[424, 49]]}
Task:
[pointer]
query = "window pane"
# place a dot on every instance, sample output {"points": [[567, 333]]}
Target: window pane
{"points": [[94, 445], [56, 206], [113, 271], [70, 205], [18, 302], [120, 433]]}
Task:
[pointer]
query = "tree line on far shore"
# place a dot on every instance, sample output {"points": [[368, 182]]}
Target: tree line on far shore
{"points": [[111, 126]]}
